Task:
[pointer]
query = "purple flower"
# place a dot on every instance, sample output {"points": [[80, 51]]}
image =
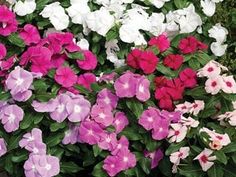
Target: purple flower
{"points": [[172, 116], [120, 121], [71, 135], [161, 129], [90, 132], [107, 99], [33, 142], [102, 115], [41, 166], [112, 165], [127, 159], [49, 106], [123, 143], [125, 85], [19, 80], [11, 116], [22, 96], [3, 148], [155, 157], [148, 118], [142, 89], [107, 141]]}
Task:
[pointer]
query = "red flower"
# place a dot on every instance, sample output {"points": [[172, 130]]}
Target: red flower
{"points": [[133, 58], [148, 62], [188, 77], [175, 88], [164, 98], [173, 61], [161, 42], [160, 81]]}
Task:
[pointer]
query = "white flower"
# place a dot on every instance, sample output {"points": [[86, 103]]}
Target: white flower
{"points": [[213, 85], [217, 1], [218, 32], [57, 16], [210, 70], [78, 11], [100, 21], [158, 3], [83, 44], [208, 7], [177, 132], [157, 23], [205, 159], [24, 8], [184, 107], [189, 122], [218, 49], [196, 107], [228, 84]]}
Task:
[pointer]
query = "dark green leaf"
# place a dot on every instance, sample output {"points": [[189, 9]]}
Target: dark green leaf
{"points": [[145, 163], [98, 171], [16, 40], [174, 147], [220, 156], [76, 55], [215, 171], [69, 167]]}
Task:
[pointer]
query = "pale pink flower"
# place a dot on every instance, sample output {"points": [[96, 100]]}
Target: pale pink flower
{"points": [[102, 115], [3, 148], [213, 85], [196, 107], [71, 135], [184, 107], [177, 132], [189, 122], [205, 159], [228, 84], [210, 70]]}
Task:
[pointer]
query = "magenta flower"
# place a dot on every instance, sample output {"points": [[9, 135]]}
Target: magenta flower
{"points": [[148, 118], [8, 23], [142, 89], [65, 76], [8, 63], [122, 143], [107, 99], [107, 141], [58, 60], [19, 80], [90, 132], [102, 115], [128, 159], [71, 135], [3, 51], [11, 116], [60, 113], [125, 85], [120, 121], [171, 116], [108, 78], [78, 109], [161, 129], [155, 157], [112, 165], [89, 62], [41, 166], [86, 80], [30, 34], [33, 142], [3, 148]]}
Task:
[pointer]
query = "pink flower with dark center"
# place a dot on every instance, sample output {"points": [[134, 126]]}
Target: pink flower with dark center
{"points": [[213, 85], [65, 76], [161, 42], [120, 121], [107, 141], [102, 115], [8, 22], [142, 89], [30, 34], [90, 132], [205, 159], [228, 84], [148, 118], [3, 148], [11, 116], [86, 80], [3, 51], [155, 157], [107, 99], [177, 132], [89, 62]]}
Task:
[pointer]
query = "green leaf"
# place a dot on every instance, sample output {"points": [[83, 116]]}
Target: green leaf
{"points": [[54, 139], [194, 63], [98, 171], [38, 118], [96, 150], [56, 126], [180, 3], [76, 56], [230, 148], [69, 167], [16, 40], [5, 96], [165, 166], [14, 142], [191, 171], [203, 58], [131, 134], [135, 106], [220, 156], [174, 147], [112, 34], [27, 120], [215, 171], [229, 170], [95, 87], [20, 158], [41, 4], [8, 165], [166, 71], [82, 89], [40, 85], [145, 164]]}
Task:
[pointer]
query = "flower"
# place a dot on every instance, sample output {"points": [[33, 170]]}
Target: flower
{"points": [[159, 3], [107, 99], [189, 122], [108, 141], [71, 135], [56, 14], [112, 165], [133, 58], [41, 165], [161, 129], [177, 132], [90, 132], [11, 115], [65, 76], [3, 148], [3, 51], [128, 159], [208, 7], [161, 42], [148, 62], [122, 143], [218, 49], [188, 77], [205, 159], [228, 84], [218, 32], [89, 61], [184, 107], [148, 118], [210, 70], [142, 89], [196, 107], [30, 34], [120, 121], [8, 21], [155, 157], [173, 61], [86, 80], [24, 8], [102, 115], [213, 85]]}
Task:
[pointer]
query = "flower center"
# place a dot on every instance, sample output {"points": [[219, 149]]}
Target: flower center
{"points": [[141, 88], [48, 167], [177, 133], [125, 159], [214, 83], [195, 105], [11, 118], [77, 109], [90, 132], [61, 108], [107, 100], [210, 69], [150, 119], [4, 25], [102, 115], [19, 81], [204, 158], [126, 85], [229, 84]]}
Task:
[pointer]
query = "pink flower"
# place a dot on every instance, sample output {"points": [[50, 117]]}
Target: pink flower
{"points": [[228, 84], [3, 51], [184, 107], [89, 61], [205, 159], [125, 85], [107, 99], [30, 34], [65, 76], [71, 135], [3, 148], [128, 159], [148, 62], [161, 129], [107, 141], [108, 78], [102, 115], [133, 58], [161, 42], [173, 61], [11, 116], [58, 60], [120, 121], [122, 143], [148, 118], [8, 23], [8, 63], [196, 107], [142, 89], [188, 77], [155, 157], [177, 132], [210, 70], [189, 122], [112, 165], [42, 165], [86, 80], [171, 116], [90, 132], [213, 85]]}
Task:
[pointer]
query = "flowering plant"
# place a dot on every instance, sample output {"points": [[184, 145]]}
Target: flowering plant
{"points": [[167, 107]]}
